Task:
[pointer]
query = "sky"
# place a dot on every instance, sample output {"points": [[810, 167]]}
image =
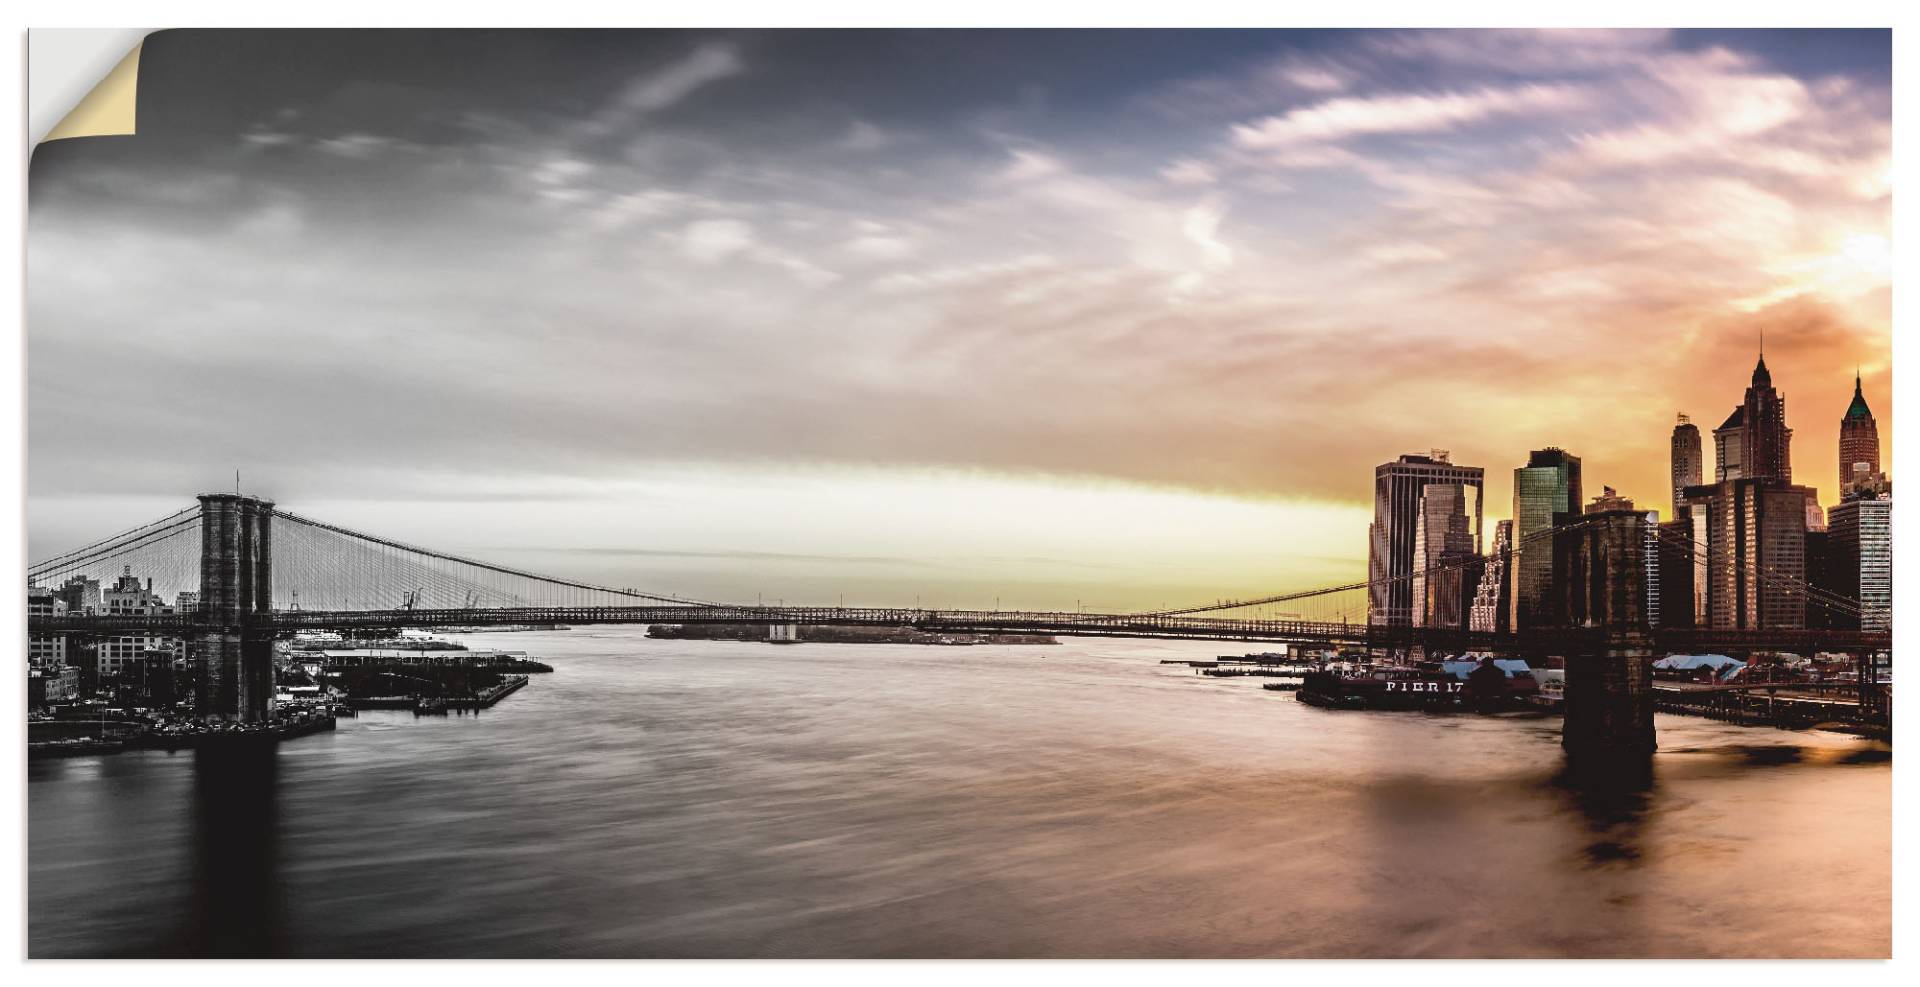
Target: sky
{"points": [[1049, 318]]}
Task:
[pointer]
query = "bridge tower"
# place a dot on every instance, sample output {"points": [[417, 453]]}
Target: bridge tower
{"points": [[1600, 578], [234, 648]]}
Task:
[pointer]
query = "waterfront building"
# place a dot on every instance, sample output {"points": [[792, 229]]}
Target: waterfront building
{"points": [[1687, 460], [128, 595], [48, 686], [47, 651], [1822, 613], [1609, 499], [1860, 561], [80, 594], [1654, 592], [1489, 610], [1859, 448], [1400, 500], [1681, 598], [1443, 541], [1548, 485], [1696, 518], [1756, 536]]}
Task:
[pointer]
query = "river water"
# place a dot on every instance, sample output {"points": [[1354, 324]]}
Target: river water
{"points": [[677, 798]]}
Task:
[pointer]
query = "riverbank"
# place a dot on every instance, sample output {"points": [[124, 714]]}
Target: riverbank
{"points": [[114, 736], [1778, 712], [483, 699]]}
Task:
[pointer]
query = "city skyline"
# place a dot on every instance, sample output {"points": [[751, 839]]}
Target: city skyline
{"points": [[683, 338]]}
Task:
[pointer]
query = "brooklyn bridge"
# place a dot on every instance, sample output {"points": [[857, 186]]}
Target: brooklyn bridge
{"points": [[261, 573]]}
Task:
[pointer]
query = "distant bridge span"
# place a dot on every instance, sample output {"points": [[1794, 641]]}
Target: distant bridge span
{"points": [[1180, 627]]}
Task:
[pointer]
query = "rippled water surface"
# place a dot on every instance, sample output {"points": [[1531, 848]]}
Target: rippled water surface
{"points": [[673, 798]]}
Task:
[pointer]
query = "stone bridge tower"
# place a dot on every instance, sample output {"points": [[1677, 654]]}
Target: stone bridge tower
{"points": [[1600, 576], [233, 647]]}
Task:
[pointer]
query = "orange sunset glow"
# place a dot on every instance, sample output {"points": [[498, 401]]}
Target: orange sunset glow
{"points": [[1026, 328]]}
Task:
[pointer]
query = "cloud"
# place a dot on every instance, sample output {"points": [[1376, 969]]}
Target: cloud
{"points": [[1189, 171], [1315, 78], [880, 247], [1337, 119], [712, 240], [664, 87], [1027, 166], [862, 136], [360, 147], [1202, 226], [1405, 253]]}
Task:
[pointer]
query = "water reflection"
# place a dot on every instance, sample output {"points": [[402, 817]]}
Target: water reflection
{"points": [[235, 909], [1614, 799], [657, 798]]}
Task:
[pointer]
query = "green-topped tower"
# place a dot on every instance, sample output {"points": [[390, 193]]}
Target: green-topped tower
{"points": [[1859, 447]]}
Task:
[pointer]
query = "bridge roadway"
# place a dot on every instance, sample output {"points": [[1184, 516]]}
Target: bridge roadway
{"points": [[1301, 632]]}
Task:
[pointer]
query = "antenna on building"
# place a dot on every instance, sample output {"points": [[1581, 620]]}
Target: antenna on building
{"points": [[236, 483], [1683, 419]]}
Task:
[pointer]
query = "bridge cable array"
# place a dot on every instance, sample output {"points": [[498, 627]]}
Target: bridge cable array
{"points": [[167, 551], [1545, 534], [1717, 556], [318, 565]]}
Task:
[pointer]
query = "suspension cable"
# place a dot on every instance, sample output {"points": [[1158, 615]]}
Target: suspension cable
{"points": [[489, 566]]}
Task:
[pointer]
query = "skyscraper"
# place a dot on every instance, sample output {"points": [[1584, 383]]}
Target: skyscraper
{"points": [[1688, 462], [1682, 598], [1754, 441], [1860, 561], [1756, 533], [1769, 442], [1490, 597], [1400, 500], [1753, 522], [1443, 540], [1548, 485], [1859, 448]]}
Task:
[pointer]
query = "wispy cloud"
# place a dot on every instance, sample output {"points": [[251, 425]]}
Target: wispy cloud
{"points": [[1338, 119], [662, 88]]}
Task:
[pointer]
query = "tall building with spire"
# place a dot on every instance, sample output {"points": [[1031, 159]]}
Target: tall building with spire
{"points": [[1753, 522], [1688, 461], [1859, 448], [1769, 442]]}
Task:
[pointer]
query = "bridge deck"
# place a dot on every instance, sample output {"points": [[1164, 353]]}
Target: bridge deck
{"points": [[1312, 633]]}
